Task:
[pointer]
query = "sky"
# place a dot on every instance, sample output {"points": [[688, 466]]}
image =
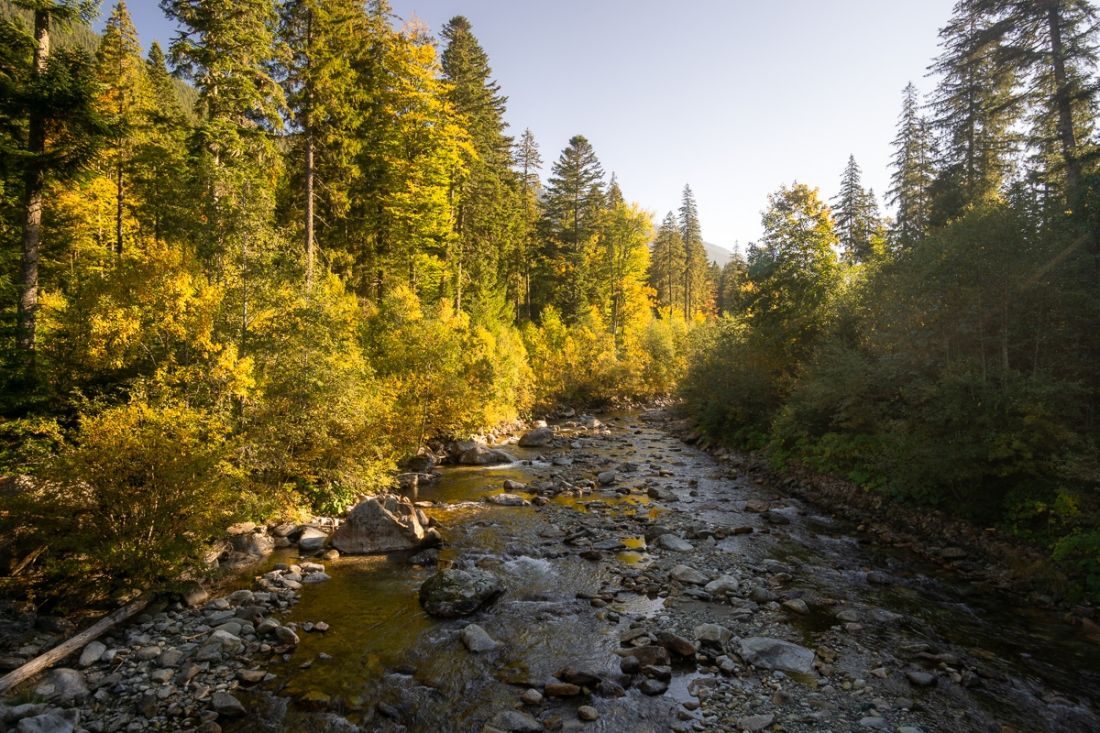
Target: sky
{"points": [[734, 97]]}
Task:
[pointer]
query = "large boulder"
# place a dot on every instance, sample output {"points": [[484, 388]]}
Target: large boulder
{"points": [[386, 523], [760, 651], [537, 438], [62, 685], [452, 593], [483, 455]]}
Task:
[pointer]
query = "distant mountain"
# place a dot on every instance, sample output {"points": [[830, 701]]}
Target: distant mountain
{"points": [[721, 255]]}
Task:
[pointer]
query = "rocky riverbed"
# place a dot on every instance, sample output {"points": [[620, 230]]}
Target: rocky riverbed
{"points": [[647, 586]]}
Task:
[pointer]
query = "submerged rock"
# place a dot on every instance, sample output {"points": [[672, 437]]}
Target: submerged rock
{"points": [[477, 639], [452, 593], [380, 524]]}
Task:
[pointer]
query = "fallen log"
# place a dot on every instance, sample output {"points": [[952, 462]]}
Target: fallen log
{"points": [[47, 659]]}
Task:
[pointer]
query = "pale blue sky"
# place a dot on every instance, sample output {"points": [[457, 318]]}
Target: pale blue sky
{"points": [[735, 97]]}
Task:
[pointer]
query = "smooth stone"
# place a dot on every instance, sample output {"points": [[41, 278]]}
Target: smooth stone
{"points": [[796, 605], [767, 653], [675, 643], [561, 689], [483, 455], [920, 678], [515, 721], [536, 438], [722, 584], [531, 696], [286, 635], [452, 593], [92, 653], [54, 721], [653, 687], [227, 705], [755, 722], [386, 523], [688, 575], [477, 640], [674, 543], [712, 633], [219, 644], [316, 578], [312, 540], [62, 685], [507, 500], [587, 712]]}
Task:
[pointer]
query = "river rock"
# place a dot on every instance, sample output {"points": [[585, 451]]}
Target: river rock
{"points": [[312, 540], [92, 653], [766, 653], [723, 584], [687, 574], [712, 633], [674, 543], [507, 500], [561, 689], [606, 477], [386, 523], [537, 438], [483, 455], [452, 593], [920, 678], [587, 712], [675, 643], [477, 640], [227, 705], [218, 645], [513, 721], [755, 722], [62, 685], [257, 545], [53, 721], [653, 687]]}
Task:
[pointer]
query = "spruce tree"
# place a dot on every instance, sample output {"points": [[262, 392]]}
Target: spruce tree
{"points": [[571, 207], [913, 172], [666, 266], [855, 213], [695, 291], [528, 163]]}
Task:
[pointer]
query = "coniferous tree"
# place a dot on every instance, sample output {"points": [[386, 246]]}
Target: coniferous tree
{"points": [[976, 104], [487, 215], [730, 295], [571, 208], [56, 92], [126, 101], [913, 171], [694, 276], [666, 266], [528, 163], [855, 213]]}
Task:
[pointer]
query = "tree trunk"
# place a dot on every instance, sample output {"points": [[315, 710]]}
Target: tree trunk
{"points": [[34, 182], [1063, 103], [308, 129]]}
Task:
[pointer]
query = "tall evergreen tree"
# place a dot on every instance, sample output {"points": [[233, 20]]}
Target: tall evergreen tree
{"points": [[695, 256], [528, 162], [666, 266], [976, 105], [126, 101], [487, 214], [54, 94], [913, 172], [571, 207], [855, 213], [730, 295]]}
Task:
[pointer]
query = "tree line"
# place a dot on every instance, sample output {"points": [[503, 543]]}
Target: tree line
{"points": [[248, 274], [950, 355]]}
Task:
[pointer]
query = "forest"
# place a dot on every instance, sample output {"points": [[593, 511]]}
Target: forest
{"points": [[247, 275]]}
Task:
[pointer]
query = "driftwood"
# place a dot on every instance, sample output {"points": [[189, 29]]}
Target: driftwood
{"points": [[22, 564], [70, 645]]}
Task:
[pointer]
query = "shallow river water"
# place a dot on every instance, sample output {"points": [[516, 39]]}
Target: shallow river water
{"points": [[385, 665]]}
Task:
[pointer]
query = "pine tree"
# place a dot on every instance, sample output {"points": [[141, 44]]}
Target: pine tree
{"points": [[528, 163], [694, 276], [976, 105], [487, 214], [326, 40], [731, 281], [666, 266], [126, 101], [62, 132], [571, 208], [855, 213], [624, 255], [913, 174]]}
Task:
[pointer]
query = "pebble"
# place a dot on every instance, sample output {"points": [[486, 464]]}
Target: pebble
{"points": [[587, 712]]}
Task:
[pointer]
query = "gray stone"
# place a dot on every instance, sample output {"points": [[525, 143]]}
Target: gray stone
{"points": [[674, 543], [767, 653], [920, 678], [386, 523], [874, 721], [227, 705], [687, 574], [587, 712], [507, 500], [92, 653], [675, 643], [796, 605], [483, 455], [755, 722], [515, 721], [477, 640], [712, 633], [54, 721], [312, 540], [722, 584], [286, 635], [217, 646], [606, 477], [452, 593], [170, 658], [536, 438], [62, 685], [653, 687], [241, 597], [316, 578], [531, 696]]}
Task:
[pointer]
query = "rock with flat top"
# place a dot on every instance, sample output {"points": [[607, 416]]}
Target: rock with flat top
{"points": [[386, 523], [452, 593], [767, 653]]}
